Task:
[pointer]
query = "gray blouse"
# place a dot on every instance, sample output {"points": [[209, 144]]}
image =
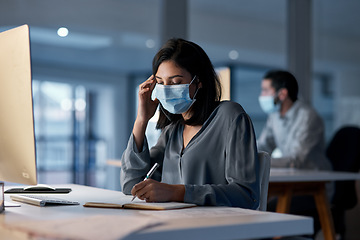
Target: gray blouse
{"points": [[218, 167]]}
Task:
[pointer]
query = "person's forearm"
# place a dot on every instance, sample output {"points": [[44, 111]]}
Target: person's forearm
{"points": [[282, 162], [179, 193], [139, 133]]}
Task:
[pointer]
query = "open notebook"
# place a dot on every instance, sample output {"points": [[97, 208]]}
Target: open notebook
{"points": [[138, 204]]}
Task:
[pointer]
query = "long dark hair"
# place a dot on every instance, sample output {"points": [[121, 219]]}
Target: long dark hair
{"points": [[193, 58]]}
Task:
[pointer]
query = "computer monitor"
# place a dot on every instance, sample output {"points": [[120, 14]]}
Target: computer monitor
{"points": [[17, 139]]}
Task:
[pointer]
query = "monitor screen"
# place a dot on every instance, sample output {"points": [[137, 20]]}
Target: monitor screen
{"points": [[17, 140]]}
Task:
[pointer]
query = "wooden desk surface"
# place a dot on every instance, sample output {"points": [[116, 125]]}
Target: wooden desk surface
{"points": [[193, 223]]}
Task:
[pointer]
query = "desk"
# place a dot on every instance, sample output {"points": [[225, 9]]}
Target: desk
{"points": [[192, 223], [285, 183]]}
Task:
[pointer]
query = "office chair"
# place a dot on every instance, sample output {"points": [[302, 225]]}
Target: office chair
{"points": [[343, 152], [264, 159]]}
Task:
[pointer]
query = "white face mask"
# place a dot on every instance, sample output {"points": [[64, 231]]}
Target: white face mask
{"points": [[267, 104], [175, 98]]}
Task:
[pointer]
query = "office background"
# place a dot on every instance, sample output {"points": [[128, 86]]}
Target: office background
{"points": [[84, 84]]}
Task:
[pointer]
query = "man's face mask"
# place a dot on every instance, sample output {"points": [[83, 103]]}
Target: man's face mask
{"points": [[175, 98], [268, 105]]}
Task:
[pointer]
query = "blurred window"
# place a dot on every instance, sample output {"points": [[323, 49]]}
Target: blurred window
{"points": [[67, 151]]}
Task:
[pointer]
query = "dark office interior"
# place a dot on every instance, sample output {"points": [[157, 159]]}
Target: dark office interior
{"points": [[89, 56]]}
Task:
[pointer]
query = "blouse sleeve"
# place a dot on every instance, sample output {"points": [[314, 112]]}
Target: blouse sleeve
{"points": [[135, 164], [241, 171], [266, 141]]}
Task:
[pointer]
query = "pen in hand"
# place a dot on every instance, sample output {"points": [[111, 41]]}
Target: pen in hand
{"points": [[149, 174]]}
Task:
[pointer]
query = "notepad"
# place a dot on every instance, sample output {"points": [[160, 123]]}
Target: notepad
{"points": [[142, 205]]}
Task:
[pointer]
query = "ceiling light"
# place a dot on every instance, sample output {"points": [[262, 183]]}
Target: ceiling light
{"points": [[74, 40], [150, 43], [63, 32], [233, 55]]}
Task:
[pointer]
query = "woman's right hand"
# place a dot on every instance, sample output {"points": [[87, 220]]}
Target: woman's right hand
{"points": [[146, 106]]}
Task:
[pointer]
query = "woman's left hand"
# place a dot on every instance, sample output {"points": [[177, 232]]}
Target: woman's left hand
{"points": [[154, 191]]}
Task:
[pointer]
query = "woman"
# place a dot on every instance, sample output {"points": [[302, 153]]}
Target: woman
{"points": [[207, 148]]}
